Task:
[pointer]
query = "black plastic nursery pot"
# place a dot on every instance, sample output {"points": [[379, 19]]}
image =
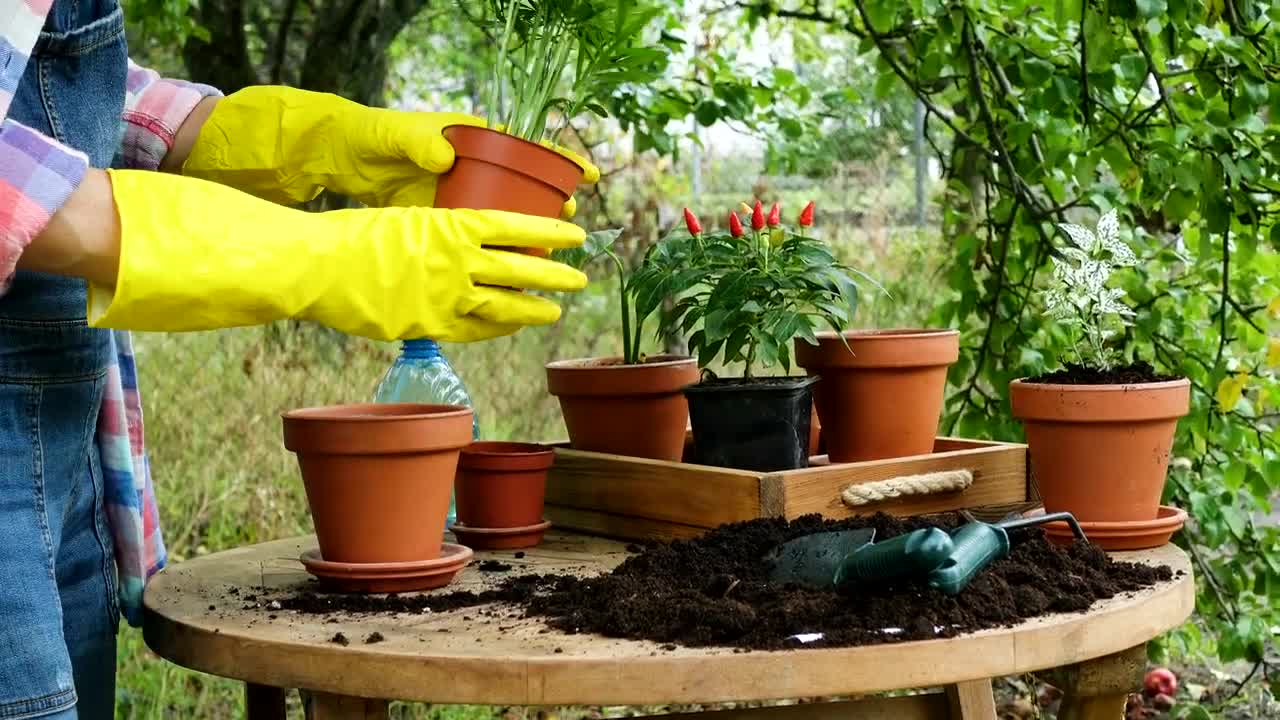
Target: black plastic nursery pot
{"points": [[758, 424]]}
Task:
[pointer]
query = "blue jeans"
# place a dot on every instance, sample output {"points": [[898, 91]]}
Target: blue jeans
{"points": [[58, 607]]}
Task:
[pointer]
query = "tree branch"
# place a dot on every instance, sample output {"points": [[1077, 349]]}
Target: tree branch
{"points": [[885, 54], [1155, 74], [282, 41]]}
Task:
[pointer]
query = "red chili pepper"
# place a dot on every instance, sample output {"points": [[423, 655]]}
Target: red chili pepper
{"points": [[806, 215], [735, 224], [691, 222], [775, 215], [757, 216]]}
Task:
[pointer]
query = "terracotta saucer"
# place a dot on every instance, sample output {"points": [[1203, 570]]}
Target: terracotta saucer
{"points": [[1137, 535], [388, 577], [500, 538]]}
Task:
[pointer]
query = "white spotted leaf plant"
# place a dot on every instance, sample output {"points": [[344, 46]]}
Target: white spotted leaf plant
{"points": [[1080, 296]]}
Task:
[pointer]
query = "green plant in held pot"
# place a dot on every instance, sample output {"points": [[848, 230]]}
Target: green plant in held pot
{"points": [[566, 57]]}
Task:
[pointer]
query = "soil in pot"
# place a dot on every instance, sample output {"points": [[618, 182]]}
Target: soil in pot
{"points": [[1100, 450], [632, 410], [496, 171], [714, 591], [502, 484], [378, 476], [880, 397], [759, 424]]}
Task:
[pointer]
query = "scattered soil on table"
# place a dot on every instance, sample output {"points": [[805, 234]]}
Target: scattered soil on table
{"points": [[1139, 372], [340, 639], [374, 637], [714, 590], [493, 566]]}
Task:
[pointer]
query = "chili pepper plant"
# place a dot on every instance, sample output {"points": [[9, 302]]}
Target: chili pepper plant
{"points": [[742, 295]]}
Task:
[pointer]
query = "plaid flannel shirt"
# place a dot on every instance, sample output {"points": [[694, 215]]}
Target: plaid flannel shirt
{"points": [[37, 175]]}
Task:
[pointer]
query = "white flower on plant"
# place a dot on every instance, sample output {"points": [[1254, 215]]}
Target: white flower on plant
{"points": [[1079, 296]]}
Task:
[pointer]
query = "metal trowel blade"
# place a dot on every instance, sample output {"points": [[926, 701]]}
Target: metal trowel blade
{"points": [[812, 560]]}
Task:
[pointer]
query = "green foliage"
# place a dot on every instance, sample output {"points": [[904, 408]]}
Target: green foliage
{"points": [[1080, 299], [1166, 112], [600, 41], [745, 297]]}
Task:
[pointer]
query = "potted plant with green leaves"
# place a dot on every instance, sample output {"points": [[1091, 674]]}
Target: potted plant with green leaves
{"points": [[1100, 430], [631, 404], [556, 59], [742, 295]]}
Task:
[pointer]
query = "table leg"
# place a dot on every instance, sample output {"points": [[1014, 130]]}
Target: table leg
{"points": [[323, 706], [972, 700], [262, 702], [1098, 689]]}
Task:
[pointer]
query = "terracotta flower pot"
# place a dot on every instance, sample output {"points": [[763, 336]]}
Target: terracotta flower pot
{"points": [[1100, 452], [378, 476], [496, 171], [632, 410], [502, 484], [883, 399]]}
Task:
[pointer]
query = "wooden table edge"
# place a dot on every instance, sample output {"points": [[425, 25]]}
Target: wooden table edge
{"points": [[685, 676]]}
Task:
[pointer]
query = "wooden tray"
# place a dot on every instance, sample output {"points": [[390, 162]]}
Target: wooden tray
{"points": [[633, 498]]}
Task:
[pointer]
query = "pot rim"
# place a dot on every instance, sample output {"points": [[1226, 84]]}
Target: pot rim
{"points": [[502, 448], [374, 412], [797, 382], [871, 334], [595, 364], [1114, 387], [1167, 516]]}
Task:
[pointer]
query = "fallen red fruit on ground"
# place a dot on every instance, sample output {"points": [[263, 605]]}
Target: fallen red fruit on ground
{"points": [[1160, 681]]}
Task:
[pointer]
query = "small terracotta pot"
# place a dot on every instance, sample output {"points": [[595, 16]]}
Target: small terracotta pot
{"points": [[883, 399], [631, 410], [1100, 452], [496, 171], [378, 476], [502, 484]]}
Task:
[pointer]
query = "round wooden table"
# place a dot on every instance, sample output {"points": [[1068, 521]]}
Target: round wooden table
{"points": [[198, 615]]}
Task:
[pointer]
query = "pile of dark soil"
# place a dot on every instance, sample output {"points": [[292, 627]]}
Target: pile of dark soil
{"points": [[715, 591], [1072, 374]]}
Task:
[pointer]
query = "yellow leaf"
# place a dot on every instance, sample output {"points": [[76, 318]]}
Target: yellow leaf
{"points": [[1231, 390], [1273, 307], [1273, 352]]}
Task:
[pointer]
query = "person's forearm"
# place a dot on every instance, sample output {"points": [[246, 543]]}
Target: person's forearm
{"points": [[82, 239], [185, 139]]}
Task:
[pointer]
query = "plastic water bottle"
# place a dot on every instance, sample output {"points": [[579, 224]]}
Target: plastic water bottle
{"points": [[422, 374]]}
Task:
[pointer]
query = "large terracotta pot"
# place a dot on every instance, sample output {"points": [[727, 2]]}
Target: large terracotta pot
{"points": [[1100, 452], [378, 476], [502, 484], [880, 397], [496, 171], [632, 410]]}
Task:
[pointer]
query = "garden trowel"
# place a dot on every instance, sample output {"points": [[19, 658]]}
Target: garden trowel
{"points": [[830, 560], [978, 544]]}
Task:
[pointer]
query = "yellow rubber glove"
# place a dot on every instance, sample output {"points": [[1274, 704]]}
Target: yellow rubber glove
{"points": [[286, 145], [196, 255]]}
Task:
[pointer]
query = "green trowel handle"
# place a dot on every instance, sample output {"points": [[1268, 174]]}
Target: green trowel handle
{"points": [[911, 554], [976, 545]]}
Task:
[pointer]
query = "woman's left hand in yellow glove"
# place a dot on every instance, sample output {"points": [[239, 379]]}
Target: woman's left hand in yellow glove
{"points": [[286, 145]]}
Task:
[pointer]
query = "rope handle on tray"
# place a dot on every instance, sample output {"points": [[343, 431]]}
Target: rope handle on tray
{"points": [[942, 481]]}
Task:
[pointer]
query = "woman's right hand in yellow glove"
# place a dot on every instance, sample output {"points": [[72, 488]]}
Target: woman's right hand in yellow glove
{"points": [[196, 255]]}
